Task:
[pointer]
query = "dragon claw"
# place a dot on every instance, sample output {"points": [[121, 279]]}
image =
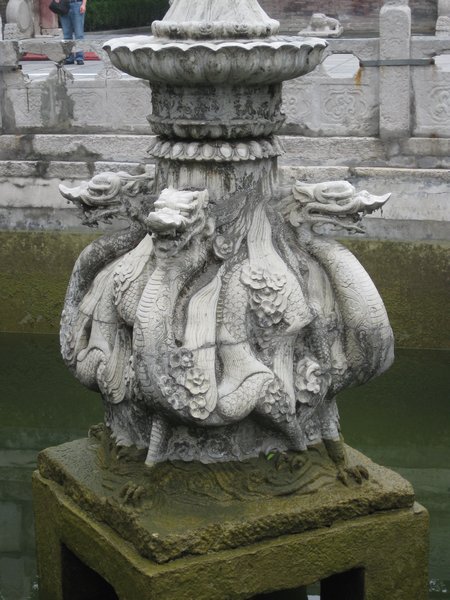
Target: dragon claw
{"points": [[132, 493], [358, 473]]}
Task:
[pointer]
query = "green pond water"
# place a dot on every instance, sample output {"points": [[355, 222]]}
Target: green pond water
{"points": [[401, 420]]}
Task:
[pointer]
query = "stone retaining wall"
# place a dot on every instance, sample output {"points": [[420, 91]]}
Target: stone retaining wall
{"points": [[35, 268]]}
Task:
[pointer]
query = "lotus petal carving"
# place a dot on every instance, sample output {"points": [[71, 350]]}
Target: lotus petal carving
{"points": [[215, 63]]}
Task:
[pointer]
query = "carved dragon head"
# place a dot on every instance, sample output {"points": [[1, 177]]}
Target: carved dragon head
{"points": [[179, 216], [107, 195], [334, 203]]}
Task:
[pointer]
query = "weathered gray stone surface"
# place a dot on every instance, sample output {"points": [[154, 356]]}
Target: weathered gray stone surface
{"points": [[218, 518], [431, 90], [220, 324], [31, 200], [298, 150], [320, 104], [395, 94], [324, 103]]}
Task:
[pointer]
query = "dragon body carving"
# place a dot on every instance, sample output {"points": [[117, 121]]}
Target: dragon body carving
{"points": [[218, 352]]}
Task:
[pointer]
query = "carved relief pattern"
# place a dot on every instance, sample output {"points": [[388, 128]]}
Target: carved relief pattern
{"points": [[230, 62], [438, 103], [222, 314], [344, 105], [343, 108], [240, 349], [297, 101], [216, 151], [432, 103], [89, 107]]}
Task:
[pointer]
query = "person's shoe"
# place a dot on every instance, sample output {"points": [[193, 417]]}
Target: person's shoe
{"points": [[69, 61], [80, 61]]}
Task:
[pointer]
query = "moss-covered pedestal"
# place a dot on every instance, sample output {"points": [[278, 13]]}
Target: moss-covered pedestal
{"points": [[108, 527]]}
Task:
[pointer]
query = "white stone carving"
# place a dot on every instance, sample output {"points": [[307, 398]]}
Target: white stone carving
{"points": [[19, 20], [168, 330], [215, 19], [219, 151], [250, 71], [101, 198], [185, 62], [321, 25]]}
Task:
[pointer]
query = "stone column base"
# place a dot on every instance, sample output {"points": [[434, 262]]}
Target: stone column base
{"points": [[53, 32], [377, 556]]}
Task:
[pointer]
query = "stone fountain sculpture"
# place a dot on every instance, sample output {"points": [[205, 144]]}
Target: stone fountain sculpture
{"points": [[221, 317], [221, 322]]}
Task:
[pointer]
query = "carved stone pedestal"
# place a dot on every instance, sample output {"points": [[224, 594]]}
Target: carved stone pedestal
{"points": [[218, 326], [363, 541]]}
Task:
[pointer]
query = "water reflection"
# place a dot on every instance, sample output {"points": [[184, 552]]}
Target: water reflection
{"points": [[40, 405], [400, 420]]}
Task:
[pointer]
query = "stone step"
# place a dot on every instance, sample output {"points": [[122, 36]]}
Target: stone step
{"points": [[324, 151], [419, 208]]}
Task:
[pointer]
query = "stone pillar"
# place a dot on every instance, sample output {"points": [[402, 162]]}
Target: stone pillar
{"points": [[10, 78], [395, 81], [48, 20], [443, 22]]}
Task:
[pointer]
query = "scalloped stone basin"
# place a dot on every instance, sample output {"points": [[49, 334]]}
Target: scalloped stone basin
{"points": [[218, 89], [216, 63]]}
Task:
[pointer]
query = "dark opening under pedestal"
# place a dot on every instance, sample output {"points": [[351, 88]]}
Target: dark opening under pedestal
{"points": [[79, 582]]}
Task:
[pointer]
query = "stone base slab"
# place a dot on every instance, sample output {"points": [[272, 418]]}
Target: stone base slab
{"points": [[180, 508], [383, 555]]}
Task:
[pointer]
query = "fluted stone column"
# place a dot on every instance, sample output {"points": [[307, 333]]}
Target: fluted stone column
{"points": [[395, 81]]}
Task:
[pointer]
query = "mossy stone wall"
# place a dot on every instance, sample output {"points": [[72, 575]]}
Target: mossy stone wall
{"points": [[412, 277], [34, 272]]}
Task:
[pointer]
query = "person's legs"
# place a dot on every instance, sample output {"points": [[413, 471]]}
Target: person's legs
{"points": [[68, 31], [78, 25]]}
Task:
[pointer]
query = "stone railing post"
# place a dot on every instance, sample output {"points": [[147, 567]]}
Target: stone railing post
{"points": [[443, 22], [9, 72], [395, 81]]}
